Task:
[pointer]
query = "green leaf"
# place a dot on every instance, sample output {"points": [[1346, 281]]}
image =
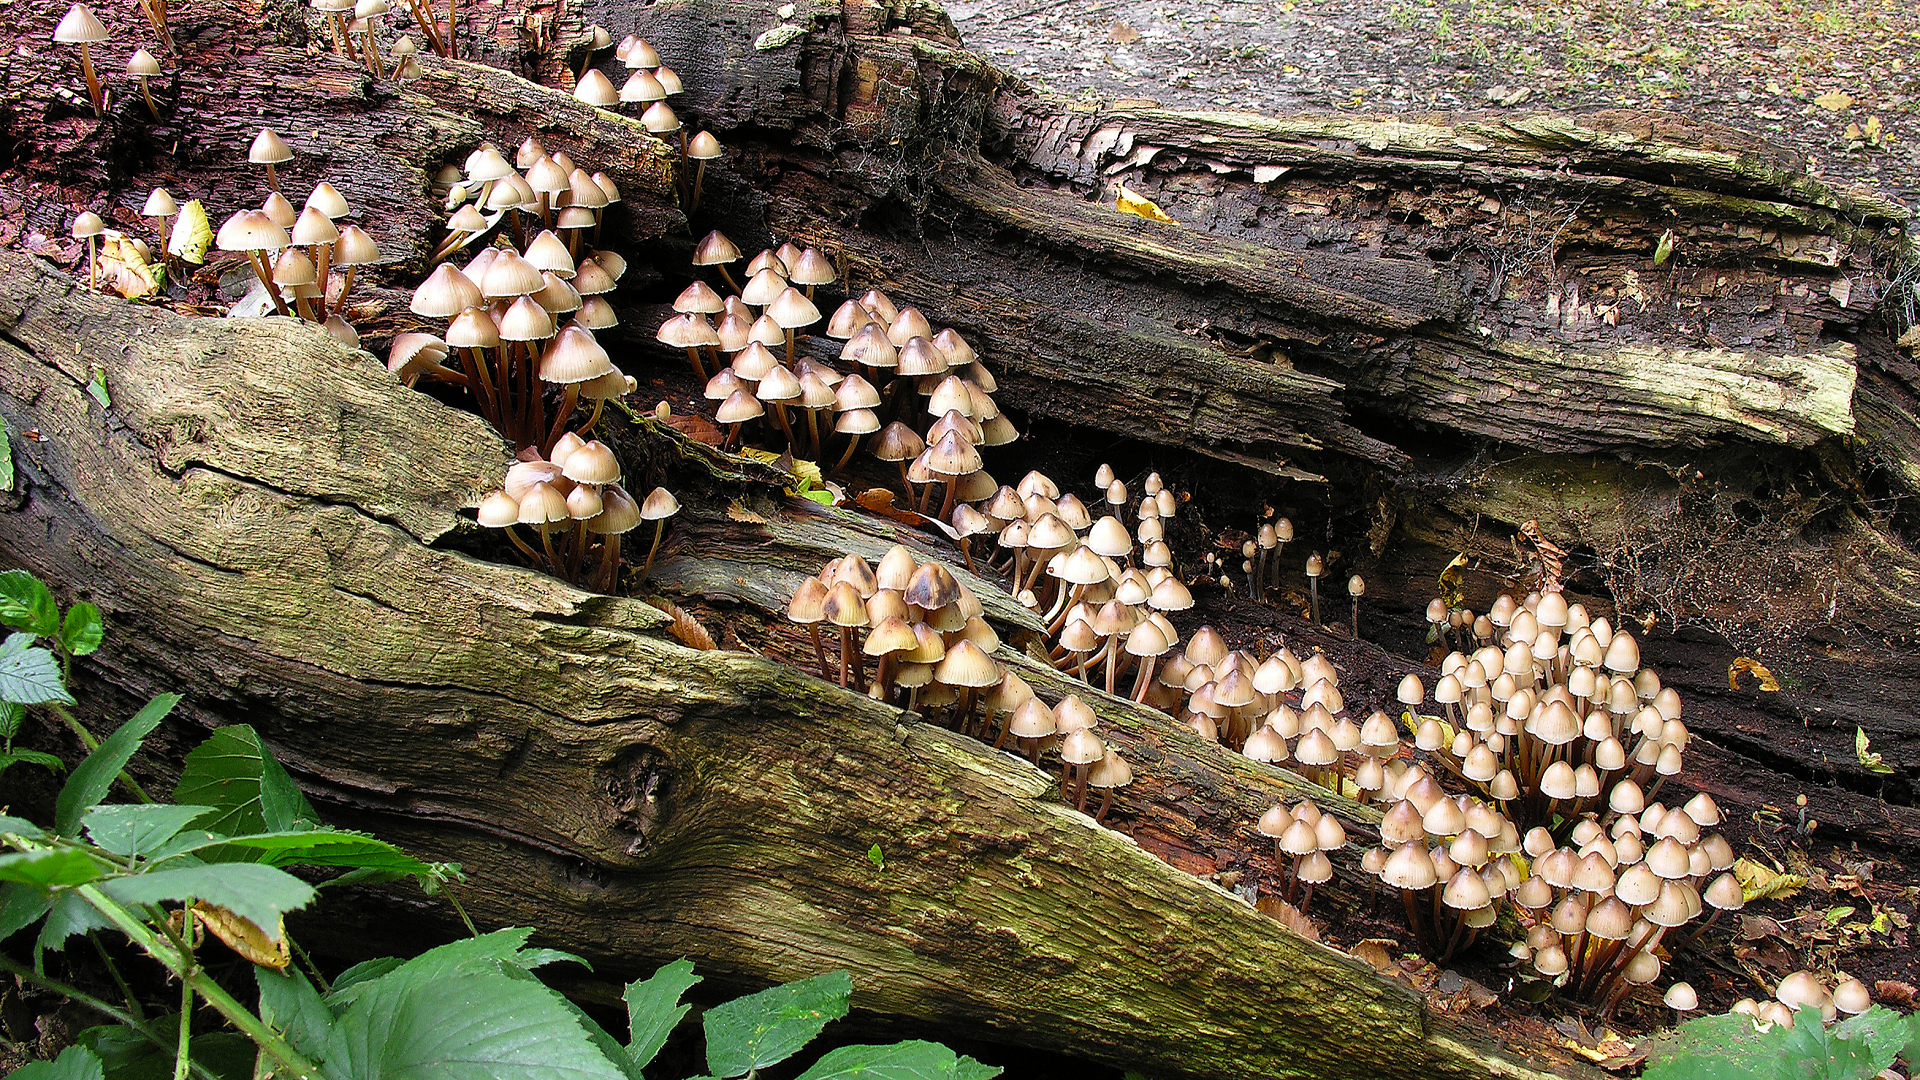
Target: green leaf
{"points": [[20, 827], [69, 914], [539, 958], [94, 777], [654, 1009], [27, 604], [128, 831], [233, 773], [1872, 762], [365, 970], [74, 1063], [32, 677], [477, 1025], [82, 631], [128, 1055], [6, 458], [315, 847], [20, 907], [32, 757], [913, 1060], [1731, 1047], [290, 1005], [762, 1029], [876, 857], [97, 386], [481, 953], [260, 894], [49, 868], [1874, 1038], [1664, 248], [11, 713]]}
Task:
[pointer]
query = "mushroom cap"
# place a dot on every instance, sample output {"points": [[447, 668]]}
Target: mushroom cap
{"points": [[669, 81], [327, 199], [573, 356], [792, 310], [250, 230], [658, 505], [415, 353], [1680, 997], [446, 293], [1852, 996], [268, 148], [659, 119], [636, 53], [142, 65], [588, 463], [293, 267], [704, 147], [313, 227], [1082, 747], [79, 25], [87, 223], [715, 249], [641, 86], [160, 203], [543, 504], [597, 90], [499, 510]]}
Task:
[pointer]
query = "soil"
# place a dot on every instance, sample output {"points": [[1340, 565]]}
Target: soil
{"points": [[1834, 81]]}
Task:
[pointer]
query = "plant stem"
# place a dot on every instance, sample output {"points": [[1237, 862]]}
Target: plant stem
{"points": [[199, 982], [87, 740], [462, 912], [113, 969], [180, 1056], [139, 1026]]}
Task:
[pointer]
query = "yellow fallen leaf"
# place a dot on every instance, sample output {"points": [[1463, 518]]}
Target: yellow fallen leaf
{"points": [[1834, 100], [192, 234], [1131, 202], [1759, 883], [737, 511], [244, 936], [1450, 581], [125, 271], [1869, 759], [1753, 667]]}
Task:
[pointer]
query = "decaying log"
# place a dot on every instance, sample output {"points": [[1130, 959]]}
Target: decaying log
{"points": [[265, 546]]}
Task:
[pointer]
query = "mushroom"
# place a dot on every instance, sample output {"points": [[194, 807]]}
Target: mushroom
{"points": [[79, 26], [142, 66], [658, 507], [364, 14], [269, 149], [596, 89], [88, 226], [702, 149], [1108, 773], [253, 232], [1356, 588], [1315, 567], [336, 13]]}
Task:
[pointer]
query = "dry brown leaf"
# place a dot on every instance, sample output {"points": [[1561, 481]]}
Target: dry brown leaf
{"points": [[1752, 667], [737, 511], [1288, 916], [685, 628], [693, 426], [1374, 952], [1552, 558], [1122, 34], [880, 501], [245, 936], [1834, 100]]}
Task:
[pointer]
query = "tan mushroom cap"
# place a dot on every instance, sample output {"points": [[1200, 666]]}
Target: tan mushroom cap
{"points": [[588, 463], [704, 147], [313, 227], [659, 119], [251, 230], [160, 203], [597, 90], [446, 293], [87, 223], [269, 149], [574, 357], [79, 25], [715, 249], [142, 65]]}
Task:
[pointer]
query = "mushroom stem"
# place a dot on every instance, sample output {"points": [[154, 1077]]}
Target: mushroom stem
{"points": [[1356, 618], [610, 563], [1313, 587], [273, 177], [1701, 932], [733, 437], [780, 414], [522, 545], [813, 431], [659, 529], [966, 552], [592, 417], [1306, 898], [819, 650], [1113, 662], [568, 403], [374, 62], [1106, 804], [93, 82], [700, 174], [1080, 787], [489, 397], [731, 284], [946, 504], [853, 443], [693, 358], [346, 286], [546, 541], [93, 261], [453, 28], [144, 93], [789, 346], [1144, 680], [259, 262], [166, 257], [846, 653]]}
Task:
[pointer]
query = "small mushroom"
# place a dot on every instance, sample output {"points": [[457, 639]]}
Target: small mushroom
{"points": [[142, 66], [1315, 567], [268, 150], [702, 149], [88, 226], [1356, 588], [254, 232], [81, 27], [657, 508]]}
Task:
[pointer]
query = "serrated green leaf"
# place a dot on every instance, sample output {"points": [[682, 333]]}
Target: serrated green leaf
{"points": [[467, 954], [233, 773], [477, 1025], [32, 677], [20, 907], [1882, 1033], [27, 604], [762, 1029], [1725, 1047], [259, 894], [539, 958], [654, 1009], [365, 970], [311, 847], [21, 827], [129, 831], [1813, 1050], [93, 778], [82, 630], [913, 1060], [290, 1005], [49, 868], [128, 1055], [11, 713], [24, 756], [74, 1063], [68, 914]]}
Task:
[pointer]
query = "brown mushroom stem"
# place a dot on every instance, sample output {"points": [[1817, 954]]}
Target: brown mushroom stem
{"points": [[259, 262], [813, 431], [489, 397], [1279, 552], [1032, 747], [94, 92], [569, 401], [1700, 932], [1305, 899], [592, 418], [946, 504], [303, 306], [93, 262], [1106, 804], [166, 257], [693, 358], [374, 63], [853, 443], [819, 650], [1356, 618], [323, 264], [273, 177], [148, 96], [1459, 927], [699, 175], [453, 28], [333, 28], [789, 346], [659, 530], [1143, 681], [846, 654], [1081, 772], [731, 284], [546, 541], [1313, 588], [780, 414], [346, 286], [1006, 729], [525, 549], [1417, 922], [610, 562], [1113, 660], [429, 31], [733, 437], [966, 553]]}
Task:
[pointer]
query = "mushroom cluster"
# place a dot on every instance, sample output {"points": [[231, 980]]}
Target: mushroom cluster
{"points": [[1551, 716], [294, 254], [931, 382], [521, 316], [1799, 998], [1448, 857], [1302, 838], [570, 498], [355, 28], [933, 652]]}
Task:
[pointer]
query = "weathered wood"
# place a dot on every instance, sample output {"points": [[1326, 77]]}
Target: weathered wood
{"points": [[262, 545]]}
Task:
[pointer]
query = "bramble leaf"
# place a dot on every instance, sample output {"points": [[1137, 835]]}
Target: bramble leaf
{"points": [[762, 1029]]}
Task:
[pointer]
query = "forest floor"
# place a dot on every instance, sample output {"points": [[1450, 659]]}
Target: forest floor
{"points": [[1836, 82]]}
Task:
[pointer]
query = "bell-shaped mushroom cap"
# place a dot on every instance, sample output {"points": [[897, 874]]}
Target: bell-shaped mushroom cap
{"points": [[917, 356], [341, 331], [763, 287], [279, 209], [548, 252], [509, 275], [268, 148], [499, 510], [739, 407], [1409, 867], [367, 9], [250, 230], [293, 267], [1680, 997], [557, 297], [573, 357], [1032, 719], [543, 504], [587, 463], [753, 362], [327, 199], [1725, 894], [313, 227], [597, 90], [79, 25], [1852, 996], [715, 249], [847, 320], [584, 502], [641, 86], [1082, 747], [907, 324], [897, 442], [659, 504], [808, 602], [699, 297], [688, 331], [778, 384], [812, 267], [355, 248], [591, 278], [415, 354], [1803, 989], [967, 665], [659, 119], [669, 81], [160, 203], [87, 223], [1623, 655], [791, 309], [142, 65], [526, 320], [869, 346], [704, 147], [595, 313], [445, 294], [618, 512], [636, 53]]}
